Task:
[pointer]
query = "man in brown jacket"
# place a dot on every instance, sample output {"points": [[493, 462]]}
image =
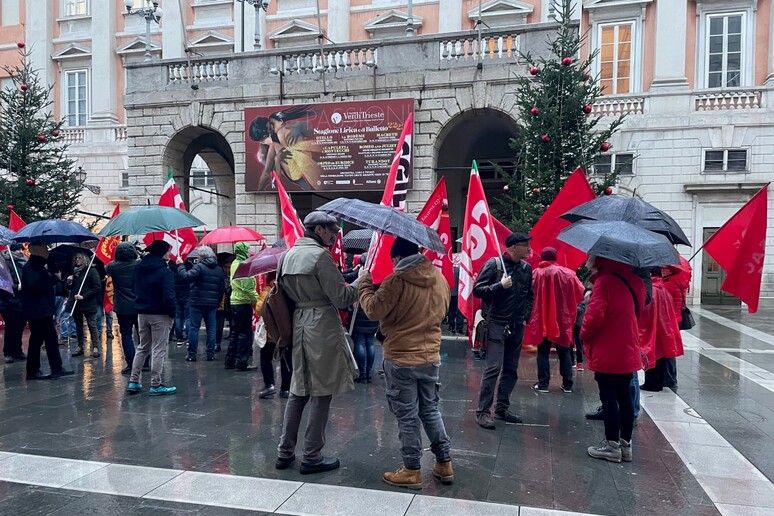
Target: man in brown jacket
{"points": [[410, 305]]}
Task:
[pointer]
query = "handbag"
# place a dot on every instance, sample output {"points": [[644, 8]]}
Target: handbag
{"points": [[260, 336], [687, 321]]}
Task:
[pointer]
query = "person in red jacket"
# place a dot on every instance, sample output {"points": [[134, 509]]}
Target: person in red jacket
{"points": [[610, 335], [557, 294], [677, 280], [660, 338]]}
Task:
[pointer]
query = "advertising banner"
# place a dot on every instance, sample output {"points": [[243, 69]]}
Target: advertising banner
{"points": [[334, 147]]}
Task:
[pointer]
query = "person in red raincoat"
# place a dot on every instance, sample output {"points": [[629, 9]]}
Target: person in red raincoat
{"points": [[677, 280], [610, 335], [660, 338], [557, 294]]}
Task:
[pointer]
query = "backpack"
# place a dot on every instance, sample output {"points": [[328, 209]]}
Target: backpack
{"points": [[277, 313]]}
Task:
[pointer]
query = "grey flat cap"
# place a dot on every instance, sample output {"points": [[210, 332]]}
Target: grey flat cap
{"points": [[318, 218]]}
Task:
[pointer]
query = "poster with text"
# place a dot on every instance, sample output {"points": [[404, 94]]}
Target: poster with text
{"points": [[334, 147]]}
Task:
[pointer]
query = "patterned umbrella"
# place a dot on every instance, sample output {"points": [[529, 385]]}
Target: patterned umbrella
{"points": [[358, 239], [386, 220]]}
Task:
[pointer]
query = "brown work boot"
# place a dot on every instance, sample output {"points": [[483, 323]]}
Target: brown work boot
{"points": [[410, 478], [443, 471]]}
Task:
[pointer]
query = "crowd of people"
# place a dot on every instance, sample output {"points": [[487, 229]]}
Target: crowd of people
{"points": [[624, 321]]}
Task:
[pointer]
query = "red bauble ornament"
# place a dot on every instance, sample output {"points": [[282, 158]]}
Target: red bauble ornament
{"points": [[545, 138], [30, 182], [567, 61], [10, 207], [20, 44], [587, 109], [534, 70], [41, 137], [23, 86], [506, 188], [604, 147], [609, 190], [55, 133], [534, 111]]}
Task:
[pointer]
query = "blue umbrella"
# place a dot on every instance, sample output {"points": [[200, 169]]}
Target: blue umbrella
{"points": [[54, 231], [6, 235]]}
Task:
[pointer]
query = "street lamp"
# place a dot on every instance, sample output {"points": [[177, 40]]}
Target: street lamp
{"points": [[79, 180], [258, 5], [151, 12]]}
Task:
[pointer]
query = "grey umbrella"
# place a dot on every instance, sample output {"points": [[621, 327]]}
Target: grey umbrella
{"points": [[386, 220], [358, 239], [621, 241], [629, 209]]}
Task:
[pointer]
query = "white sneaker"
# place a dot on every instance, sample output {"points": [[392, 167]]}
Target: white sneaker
{"points": [[626, 450], [606, 450]]}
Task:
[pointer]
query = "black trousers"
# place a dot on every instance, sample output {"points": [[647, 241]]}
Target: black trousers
{"points": [[220, 324], [617, 405], [544, 365], [664, 374], [577, 346], [14, 329], [502, 362], [267, 366], [240, 347], [43, 330]]}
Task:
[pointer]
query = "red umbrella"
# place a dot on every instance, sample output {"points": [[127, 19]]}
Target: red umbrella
{"points": [[231, 235], [260, 263]]}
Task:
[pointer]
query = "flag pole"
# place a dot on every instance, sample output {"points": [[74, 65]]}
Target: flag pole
{"points": [[91, 262], [177, 243], [368, 265]]}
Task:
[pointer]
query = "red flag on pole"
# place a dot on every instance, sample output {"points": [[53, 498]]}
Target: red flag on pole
{"points": [[576, 191], [292, 229], [501, 233], [394, 195], [435, 214], [15, 223], [337, 251], [479, 244], [183, 240], [106, 251], [739, 246]]}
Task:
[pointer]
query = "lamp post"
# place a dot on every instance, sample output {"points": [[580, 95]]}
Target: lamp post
{"points": [[151, 12], [79, 179], [258, 5], [410, 31]]}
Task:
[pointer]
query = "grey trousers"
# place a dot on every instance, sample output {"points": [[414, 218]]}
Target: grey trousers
{"points": [[154, 340], [314, 438], [502, 361], [412, 394]]}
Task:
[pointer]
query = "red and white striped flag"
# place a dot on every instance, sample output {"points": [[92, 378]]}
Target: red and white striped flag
{"points": [[183, 240], [337, 251], [292, 229]]}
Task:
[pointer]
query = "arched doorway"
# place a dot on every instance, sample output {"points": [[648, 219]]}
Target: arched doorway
{"points": [[479, 134], [203, 165]]}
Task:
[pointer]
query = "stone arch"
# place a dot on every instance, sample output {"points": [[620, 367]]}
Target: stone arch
{"points": [[484, 135], [215, 150]]}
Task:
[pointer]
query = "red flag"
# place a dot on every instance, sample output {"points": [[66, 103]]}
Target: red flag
{"points": [[292, 229], [16, 222], [576, 191], [183, 240], [479, 244], [337, 251], [106, 251], [739, 246], [435, 214], [394, 195], [501, 232]]}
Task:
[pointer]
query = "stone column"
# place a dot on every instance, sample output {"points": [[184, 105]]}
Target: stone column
{"points": [[450, 15], [770, 76], [338, 20], [104, 105], [669, 58], [172, 46], [39, 34]]}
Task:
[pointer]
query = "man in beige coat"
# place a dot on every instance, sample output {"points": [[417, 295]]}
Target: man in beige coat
{"points": [[410, 305], [322, 364]]}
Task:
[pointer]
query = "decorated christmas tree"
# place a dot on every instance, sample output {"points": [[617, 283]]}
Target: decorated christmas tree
{"points": [[36, 175], [558, 128]]}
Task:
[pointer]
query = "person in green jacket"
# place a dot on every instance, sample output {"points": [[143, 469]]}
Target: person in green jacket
{"points": [[243, 297]]}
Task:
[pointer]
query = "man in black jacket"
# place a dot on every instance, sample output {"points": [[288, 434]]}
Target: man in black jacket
{"points": [[505, 287], [121, 270], [39, 303], [11, 307]]}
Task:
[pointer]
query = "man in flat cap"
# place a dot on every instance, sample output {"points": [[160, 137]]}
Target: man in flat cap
{"points": [[322, 365], [505, 287]]}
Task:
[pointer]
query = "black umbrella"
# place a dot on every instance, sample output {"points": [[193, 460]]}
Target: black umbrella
{"points": [[621, 241], [60, 259], [54, 231], [386, 220], [357, 240], [629, 209]]}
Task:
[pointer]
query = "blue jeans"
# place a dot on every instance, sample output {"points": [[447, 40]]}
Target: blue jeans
{"points": [[103, 316], [634, 390], [65, 320], [364, 351], [126, 324], [182, 313], [197, 313]]}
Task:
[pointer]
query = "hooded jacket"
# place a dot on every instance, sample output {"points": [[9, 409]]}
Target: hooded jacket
{"points": [[659, 333], [506, 306], [243, 291], [121, 269], [37, 290], [557, 294], [154, 287], [208, 282], [91, 291], [409, 305], [677, 283]]}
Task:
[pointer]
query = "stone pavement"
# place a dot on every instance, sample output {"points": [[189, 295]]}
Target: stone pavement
{"points": [[708, 451]]}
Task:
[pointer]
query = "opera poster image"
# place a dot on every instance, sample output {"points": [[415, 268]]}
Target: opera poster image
{"points": [[337, 146]]}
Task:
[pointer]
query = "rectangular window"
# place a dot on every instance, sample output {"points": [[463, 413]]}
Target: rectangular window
{"points": [[124, 179], [622, 163], [202, 179], [76, 7], [726, 160], [76, 98], [725, 44], [615, 58]]}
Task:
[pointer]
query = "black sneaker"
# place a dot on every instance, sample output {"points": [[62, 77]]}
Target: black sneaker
{"points": [[323, 465], [284, 463], [507, 416], [38, 376], [538, 388], [597, 415], [210, 358], [190, 358], [9, 359], [217, 348], [485, 421], [126, 370], [61, 372], [268, 392], [284, 394]]}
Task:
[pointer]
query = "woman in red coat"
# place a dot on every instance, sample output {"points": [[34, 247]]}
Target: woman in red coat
{"points": [[659, 334], [610, 335], [677, 280]]}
